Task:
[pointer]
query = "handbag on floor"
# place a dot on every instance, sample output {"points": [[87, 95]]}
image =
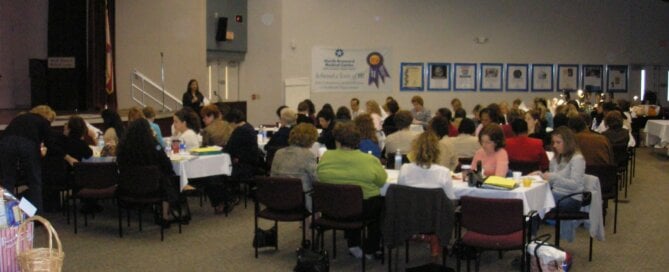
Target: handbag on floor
{"points": [[309, 260], [545, 257], [265, 238]]}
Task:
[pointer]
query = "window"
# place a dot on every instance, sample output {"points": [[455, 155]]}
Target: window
{"points": [[643, 83]]}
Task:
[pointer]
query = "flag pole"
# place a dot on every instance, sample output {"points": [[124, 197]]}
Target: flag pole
{"points": [[162, 77]]}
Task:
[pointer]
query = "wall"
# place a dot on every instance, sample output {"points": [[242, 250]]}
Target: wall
{"points": [[261, 71], [23, 33], [145, 28], [524, 31], [435, 31]]}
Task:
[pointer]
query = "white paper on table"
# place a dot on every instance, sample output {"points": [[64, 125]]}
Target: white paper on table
{"points": [[27, 207]]}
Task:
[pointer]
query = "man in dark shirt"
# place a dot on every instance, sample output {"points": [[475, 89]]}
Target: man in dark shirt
{"points": [[21, 145]]}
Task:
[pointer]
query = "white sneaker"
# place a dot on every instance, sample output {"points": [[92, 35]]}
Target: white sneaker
{"points": [[355, 252]]}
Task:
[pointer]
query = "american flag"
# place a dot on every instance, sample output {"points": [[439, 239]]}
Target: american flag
{"points": [[109, 68]]}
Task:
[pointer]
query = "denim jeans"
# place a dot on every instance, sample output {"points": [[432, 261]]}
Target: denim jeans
{"points": [[566, 205]]}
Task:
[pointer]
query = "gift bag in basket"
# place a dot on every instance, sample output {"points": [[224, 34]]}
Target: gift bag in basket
{"points": [[545, 257], [9, 238], [40, 259]]}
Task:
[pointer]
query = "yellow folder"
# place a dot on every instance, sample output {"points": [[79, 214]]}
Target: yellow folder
{"points": [[501, 182]]}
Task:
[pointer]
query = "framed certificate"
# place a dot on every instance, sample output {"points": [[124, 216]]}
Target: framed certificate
{"points": [[464, 77], [411, 77], [491, 77], [567, 77], [616, 78], [542, 77], [439, 76], [516, 77], [593, 77]]}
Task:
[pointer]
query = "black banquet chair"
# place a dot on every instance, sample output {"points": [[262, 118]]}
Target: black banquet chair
{"points": [[93, 181], [138, 188], [280, 199], [410, 211], [339, 207]]}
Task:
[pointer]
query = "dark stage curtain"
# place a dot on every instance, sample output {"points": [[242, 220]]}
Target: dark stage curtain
{"points": [[96, 95]]}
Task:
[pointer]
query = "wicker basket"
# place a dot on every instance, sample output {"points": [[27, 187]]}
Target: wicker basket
{"points": [[40, 259]]}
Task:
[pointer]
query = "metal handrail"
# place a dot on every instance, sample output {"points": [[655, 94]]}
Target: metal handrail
{"points": [[144, 94]]}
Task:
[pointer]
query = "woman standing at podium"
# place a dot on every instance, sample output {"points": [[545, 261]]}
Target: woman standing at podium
{"points": [[193, 98]]}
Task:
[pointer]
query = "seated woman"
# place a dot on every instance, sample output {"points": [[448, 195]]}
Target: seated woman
{"points": [[446, 113], [216, 131], [618, 136], [296, 160], [343, 114], [140, 148], [287, 119], [326, 119], [347, 165], [73, 143], [492, 155], [150, 115], [421, 115], [56, 173], [368, 141], [567, 170], [186, 126], [245, 156], [389, 126], [534, 127], [424, 172], [113, 131], [401, 139], [440, 126]]}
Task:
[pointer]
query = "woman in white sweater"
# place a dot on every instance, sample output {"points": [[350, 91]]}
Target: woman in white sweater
{"points": [[186, 126], [424, 172]]}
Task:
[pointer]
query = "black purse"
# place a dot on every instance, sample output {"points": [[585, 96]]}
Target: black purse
{"points": [[264, 238], [311, 261]]}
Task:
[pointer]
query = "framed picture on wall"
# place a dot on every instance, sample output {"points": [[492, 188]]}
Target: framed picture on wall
{"points": [[439, 76], [491, 77], [516, 77], [411, 77], [616, 78], [593, 77], [464, 77], [542, 77], [567, 77]]}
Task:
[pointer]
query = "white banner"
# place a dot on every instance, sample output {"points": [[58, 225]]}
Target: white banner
{"points": [[350, 70]]}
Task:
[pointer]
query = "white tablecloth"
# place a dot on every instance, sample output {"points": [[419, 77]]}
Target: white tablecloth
{"points": [[657, 131], [190, 166], [538, 197]]}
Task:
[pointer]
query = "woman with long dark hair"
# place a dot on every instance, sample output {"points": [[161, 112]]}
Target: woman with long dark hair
{"points": [[193, 98], [140, 148]]}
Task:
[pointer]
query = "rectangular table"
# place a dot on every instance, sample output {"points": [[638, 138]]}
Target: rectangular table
{"points": [[657, 131], [190, 166], [537, 197]]}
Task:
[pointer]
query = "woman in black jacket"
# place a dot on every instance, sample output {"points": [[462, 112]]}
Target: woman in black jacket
{"points": [[140, 148], [193, 98]]}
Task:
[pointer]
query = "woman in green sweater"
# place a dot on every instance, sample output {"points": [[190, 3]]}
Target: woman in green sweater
{"points": [[347, 165]]}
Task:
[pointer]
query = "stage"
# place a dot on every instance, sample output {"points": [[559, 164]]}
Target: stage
{"points": [[163, 119]]}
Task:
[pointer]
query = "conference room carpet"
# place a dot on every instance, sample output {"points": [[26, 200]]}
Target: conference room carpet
{"points": [[218, 243]]}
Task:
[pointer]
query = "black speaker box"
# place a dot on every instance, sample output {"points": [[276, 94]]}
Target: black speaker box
{"points": [[221, 29]]}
